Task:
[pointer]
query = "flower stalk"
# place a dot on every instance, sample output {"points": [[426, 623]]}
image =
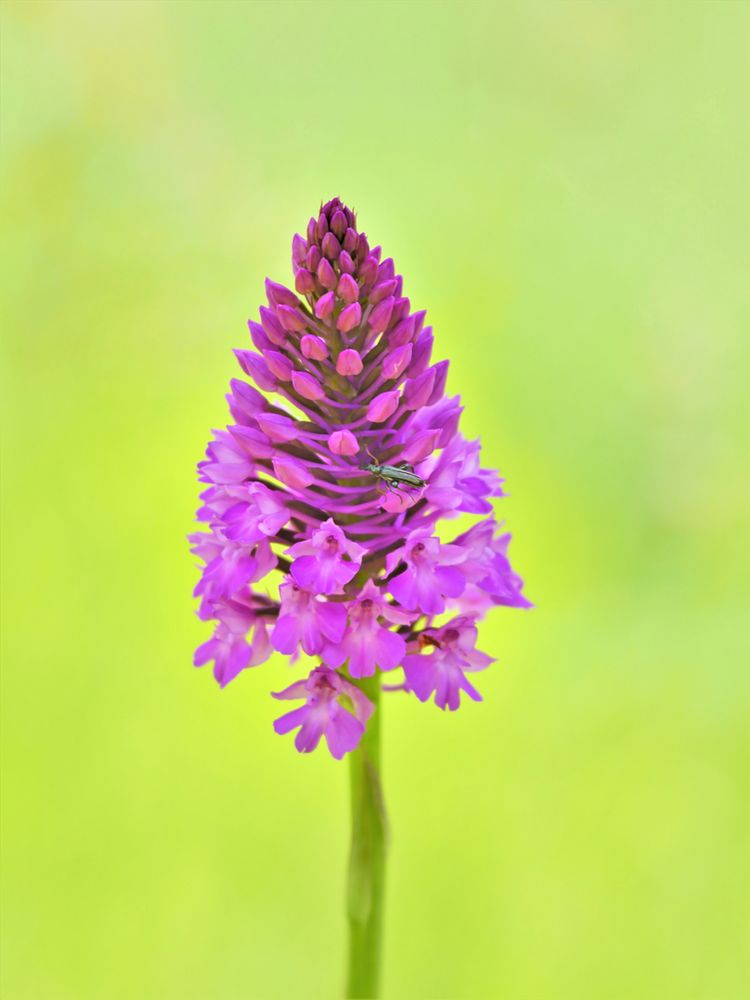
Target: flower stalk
{"points": [[366, 884]]}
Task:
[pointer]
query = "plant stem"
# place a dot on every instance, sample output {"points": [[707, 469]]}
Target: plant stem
{"points": [[367, 858]]}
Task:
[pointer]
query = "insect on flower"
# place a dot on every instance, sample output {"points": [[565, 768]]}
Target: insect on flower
{"points": [[395, 476]]}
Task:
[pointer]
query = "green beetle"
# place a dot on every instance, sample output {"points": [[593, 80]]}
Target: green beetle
{"points": [[395, 476]]}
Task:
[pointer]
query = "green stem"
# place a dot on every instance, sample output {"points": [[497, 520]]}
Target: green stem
{"points": [[367, 858]]}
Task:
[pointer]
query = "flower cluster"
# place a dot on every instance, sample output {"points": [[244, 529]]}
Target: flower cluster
{"points": [[343, 455]]}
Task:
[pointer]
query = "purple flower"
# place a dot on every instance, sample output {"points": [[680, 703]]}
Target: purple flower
{"points": [[327, 560], [333, 708], [231, 652], [229, 648], [457, 483], [430, 575], [306, 620], [367, 643], [232, 567], [259, 514], [443, 671], [489, 574], [305, 550]]}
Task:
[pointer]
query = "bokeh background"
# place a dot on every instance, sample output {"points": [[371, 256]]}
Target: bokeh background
{"points": [[564, 186]]}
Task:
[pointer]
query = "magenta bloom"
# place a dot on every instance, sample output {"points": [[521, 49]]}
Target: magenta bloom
{"points": [[443, 671], [327, 560], [366, 643], [306, 620], [325, 712], [308, 553], [430, 575]]}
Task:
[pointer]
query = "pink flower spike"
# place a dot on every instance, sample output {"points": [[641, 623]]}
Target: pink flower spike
{"points": [[349, 362], [326, 712], [324, 500]]}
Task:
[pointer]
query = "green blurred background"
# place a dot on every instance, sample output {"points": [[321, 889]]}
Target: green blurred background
{"points": [[565, 188]]}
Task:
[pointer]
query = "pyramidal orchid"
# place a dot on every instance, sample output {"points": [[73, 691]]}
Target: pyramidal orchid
{"points": [[323, 505]]}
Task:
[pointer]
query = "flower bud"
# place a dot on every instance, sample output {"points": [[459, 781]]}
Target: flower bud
{"points": [[420, 446], [348, 289], [349, 317], [368, 271], [381, 291], [349, 362], [338, 223], [330, 246], [325, 305], [326, 274], [386, 270], [304, 281], [291, 472], [277, 427], [307, 385], [420, 358], [346, 264], [279, 365], [291, 319], [380, 317], [417, 390], [382, 406], [276, 333], [343, 443], [396, 361], [313, 258], [259, 336], [314, 347], [441, 377], [299, 250], [279, 295], [257, 369]]}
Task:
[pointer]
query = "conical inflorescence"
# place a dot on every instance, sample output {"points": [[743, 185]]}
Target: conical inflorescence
{"points": [[325, 492]]}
